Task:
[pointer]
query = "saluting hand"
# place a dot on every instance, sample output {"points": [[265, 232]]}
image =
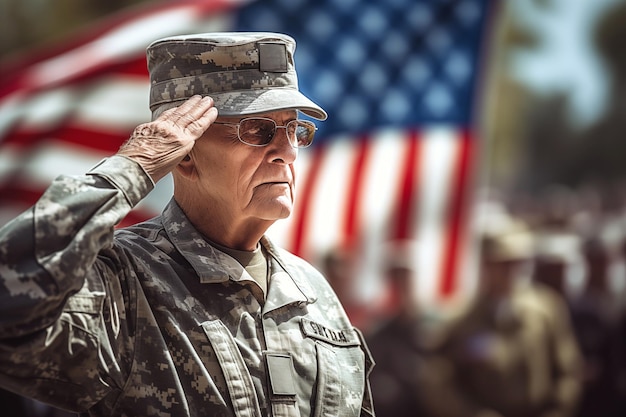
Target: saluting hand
{"points": [[160, 145]]}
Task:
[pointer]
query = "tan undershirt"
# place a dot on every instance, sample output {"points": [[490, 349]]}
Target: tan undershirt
{"points": [[254, 262]]}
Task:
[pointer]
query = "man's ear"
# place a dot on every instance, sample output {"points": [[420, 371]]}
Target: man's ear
{"points": [[187, 168]]}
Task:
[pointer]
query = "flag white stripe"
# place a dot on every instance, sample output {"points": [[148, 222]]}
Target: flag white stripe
{"points": [[439, 150], [41, 163], [9, 161], [382, 177], [38, 112], [113, 101]]}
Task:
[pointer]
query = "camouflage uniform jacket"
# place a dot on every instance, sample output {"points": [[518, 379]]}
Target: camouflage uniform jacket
{"points": [[151, 320]]}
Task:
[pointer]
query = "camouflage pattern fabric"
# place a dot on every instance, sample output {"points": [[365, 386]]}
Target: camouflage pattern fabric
{"points": [[151, 320], [244, 73]]}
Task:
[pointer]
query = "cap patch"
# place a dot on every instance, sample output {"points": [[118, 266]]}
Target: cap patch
{"points": [[273, 57]]}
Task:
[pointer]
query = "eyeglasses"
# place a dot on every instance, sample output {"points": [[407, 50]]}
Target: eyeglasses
{"points": [[259, 131]]}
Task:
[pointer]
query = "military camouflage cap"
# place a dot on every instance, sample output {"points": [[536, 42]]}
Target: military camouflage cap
{"points": [[244, 72]]}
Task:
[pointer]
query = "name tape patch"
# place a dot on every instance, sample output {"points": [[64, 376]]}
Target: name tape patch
{"points": [[344, 337]]}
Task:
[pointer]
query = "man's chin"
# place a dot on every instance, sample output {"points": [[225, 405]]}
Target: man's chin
{"points": [[274, 210], [283, 211]]}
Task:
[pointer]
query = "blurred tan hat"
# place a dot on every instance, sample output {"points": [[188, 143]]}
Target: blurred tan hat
{"points": [[559, 247], [515, 242]]}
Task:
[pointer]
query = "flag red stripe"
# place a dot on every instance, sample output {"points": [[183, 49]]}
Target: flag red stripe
{"points": [[12, 193], [91, 139], [355, 191], [134, 217], [305, 201], [406, 209], [135, 66], [457, 219]]}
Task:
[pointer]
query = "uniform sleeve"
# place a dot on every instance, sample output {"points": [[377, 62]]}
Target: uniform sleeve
{"points": [[567, 361], [59, 308]]}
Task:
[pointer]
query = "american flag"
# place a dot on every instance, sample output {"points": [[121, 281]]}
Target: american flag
{"points": [[396, 159]]}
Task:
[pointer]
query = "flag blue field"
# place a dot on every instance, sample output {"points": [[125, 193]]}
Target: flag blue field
{"points": [[396, 159]]}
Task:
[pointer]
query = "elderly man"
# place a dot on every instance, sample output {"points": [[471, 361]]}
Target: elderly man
{"points": [[195, 312]]}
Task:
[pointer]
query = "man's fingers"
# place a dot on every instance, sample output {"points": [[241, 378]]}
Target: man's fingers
{"points": [[175, 113], [187, 105], [197, 118], [195, 115], [191, 109], [203, 122], [198, 109]]}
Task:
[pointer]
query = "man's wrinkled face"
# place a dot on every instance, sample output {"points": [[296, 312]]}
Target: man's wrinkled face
{"points": [[244, 180]]}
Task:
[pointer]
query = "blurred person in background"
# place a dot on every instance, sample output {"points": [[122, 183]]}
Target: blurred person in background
{"points": [[402, 340], [340, 266], [598, 321], [513, 352], [195, 312], [558, 261]]}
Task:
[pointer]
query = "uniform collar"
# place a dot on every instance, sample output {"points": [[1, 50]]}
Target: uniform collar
{"points": [[288, 284], [214, 266], [210, 264]]}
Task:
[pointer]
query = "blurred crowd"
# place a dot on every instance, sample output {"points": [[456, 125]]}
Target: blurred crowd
{"points": [[544, 335]]}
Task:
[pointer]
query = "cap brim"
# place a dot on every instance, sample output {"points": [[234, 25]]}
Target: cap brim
{"points": [[266, 100], [242, 103]]}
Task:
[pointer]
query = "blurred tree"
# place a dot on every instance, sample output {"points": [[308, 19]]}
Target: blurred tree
{"points": [[532, 140], [600, 153], [507, 106]]}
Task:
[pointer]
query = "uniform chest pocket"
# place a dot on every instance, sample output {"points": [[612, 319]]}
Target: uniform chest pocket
{"points": [[342, 366]]}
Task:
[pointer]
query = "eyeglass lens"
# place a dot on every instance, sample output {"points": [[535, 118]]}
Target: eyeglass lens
{"points": [[259, 132]]}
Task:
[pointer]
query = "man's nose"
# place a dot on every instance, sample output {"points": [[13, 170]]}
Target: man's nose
{"points": [[282, 148]]}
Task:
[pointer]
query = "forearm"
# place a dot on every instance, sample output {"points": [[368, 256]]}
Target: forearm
{"points": [[47, 251]]}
